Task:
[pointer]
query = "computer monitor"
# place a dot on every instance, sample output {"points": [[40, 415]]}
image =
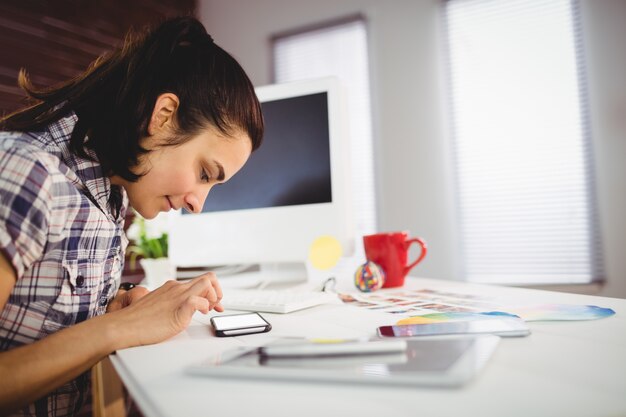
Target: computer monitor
{"points": [[293, 189]]}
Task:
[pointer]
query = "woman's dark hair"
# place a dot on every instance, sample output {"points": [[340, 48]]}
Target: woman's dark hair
{"points": [[115, 97]]}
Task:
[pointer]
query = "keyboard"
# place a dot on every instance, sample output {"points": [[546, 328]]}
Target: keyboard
{"points": [[273, 301]]}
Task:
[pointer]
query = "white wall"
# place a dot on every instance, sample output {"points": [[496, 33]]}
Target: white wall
{"points": [[413, 171]]}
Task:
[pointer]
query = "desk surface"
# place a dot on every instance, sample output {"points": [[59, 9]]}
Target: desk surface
{"points": [[561, 369]]}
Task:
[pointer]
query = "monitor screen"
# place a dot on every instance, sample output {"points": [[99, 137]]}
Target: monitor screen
{"points": [[291, 167], [294, 189]]}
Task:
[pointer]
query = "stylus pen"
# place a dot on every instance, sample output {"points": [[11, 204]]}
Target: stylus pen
{"points": [[232, 354], [333, 349]]}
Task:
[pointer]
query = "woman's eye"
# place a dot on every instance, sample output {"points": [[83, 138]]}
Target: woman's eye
{"points": [[204, 176]]}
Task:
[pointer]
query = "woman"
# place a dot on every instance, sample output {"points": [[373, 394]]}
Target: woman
{"points": [[156, 124]]}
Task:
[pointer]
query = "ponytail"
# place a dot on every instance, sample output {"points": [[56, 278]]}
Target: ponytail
{"points": [[114, 98]]}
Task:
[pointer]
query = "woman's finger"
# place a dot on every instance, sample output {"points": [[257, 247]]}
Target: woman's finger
{"points": [[193, 304], [217, 287], [137, 293], [211, 296], [205, 285], [116, 303]]}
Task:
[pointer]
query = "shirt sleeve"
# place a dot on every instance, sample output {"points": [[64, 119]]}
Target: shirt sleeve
{"points": [[25, 207]]}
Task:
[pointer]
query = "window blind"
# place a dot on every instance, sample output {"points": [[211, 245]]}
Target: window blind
{"points": [[339, 50], [522, 142]]}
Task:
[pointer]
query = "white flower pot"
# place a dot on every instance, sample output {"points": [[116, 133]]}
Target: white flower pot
{"points": [[158, 272]]}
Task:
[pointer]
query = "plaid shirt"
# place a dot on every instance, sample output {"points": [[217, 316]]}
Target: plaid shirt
{"points": [[67, 248]]}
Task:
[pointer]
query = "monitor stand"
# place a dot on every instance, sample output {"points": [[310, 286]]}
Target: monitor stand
{"points": [[267, 275]]}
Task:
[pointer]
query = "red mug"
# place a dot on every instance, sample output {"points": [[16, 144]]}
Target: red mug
{"points": [[390, 252]]}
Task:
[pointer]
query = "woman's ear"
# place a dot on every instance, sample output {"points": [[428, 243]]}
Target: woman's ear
{"points": [[163, 114]]}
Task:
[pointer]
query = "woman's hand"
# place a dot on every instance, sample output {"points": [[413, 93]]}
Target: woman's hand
{"points": [[166, 311], [125, 298]]}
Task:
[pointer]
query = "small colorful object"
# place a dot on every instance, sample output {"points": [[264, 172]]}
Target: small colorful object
{"points": [[369, 277]]}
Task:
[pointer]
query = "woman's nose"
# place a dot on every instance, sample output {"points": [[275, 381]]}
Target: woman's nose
{"points": [[194, 202]]}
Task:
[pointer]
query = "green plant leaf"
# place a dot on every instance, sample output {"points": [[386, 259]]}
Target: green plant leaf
{"points": [[134, 252]]}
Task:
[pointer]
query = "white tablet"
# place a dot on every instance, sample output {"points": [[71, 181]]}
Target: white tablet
{"points": [[442, 362]]}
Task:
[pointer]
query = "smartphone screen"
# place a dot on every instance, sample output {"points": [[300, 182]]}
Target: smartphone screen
{"points": [[239, 324], [500, 327]]}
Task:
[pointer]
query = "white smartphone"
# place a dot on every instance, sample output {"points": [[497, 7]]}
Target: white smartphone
{"points": [[499, 327], [239, 324]]}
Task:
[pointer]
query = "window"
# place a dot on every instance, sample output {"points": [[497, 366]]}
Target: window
{"points": [[338, 50], [522, 142]]}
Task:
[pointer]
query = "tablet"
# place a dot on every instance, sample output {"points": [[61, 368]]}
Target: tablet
{"points": [[500, 327], [444, 362]]}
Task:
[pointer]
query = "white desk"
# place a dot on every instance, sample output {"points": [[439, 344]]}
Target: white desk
{"points": [[561, 369]]}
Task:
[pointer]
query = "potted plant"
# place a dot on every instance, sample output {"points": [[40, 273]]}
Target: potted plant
{"points": [[149, 242]]}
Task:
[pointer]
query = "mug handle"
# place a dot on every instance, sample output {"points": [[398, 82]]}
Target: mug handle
{"points": [[424, 248]]}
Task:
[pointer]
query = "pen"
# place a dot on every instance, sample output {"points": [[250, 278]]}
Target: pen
{"points": [[232, 354]]}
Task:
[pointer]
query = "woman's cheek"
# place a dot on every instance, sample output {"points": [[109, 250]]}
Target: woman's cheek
{"points": [[181, 182]]}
